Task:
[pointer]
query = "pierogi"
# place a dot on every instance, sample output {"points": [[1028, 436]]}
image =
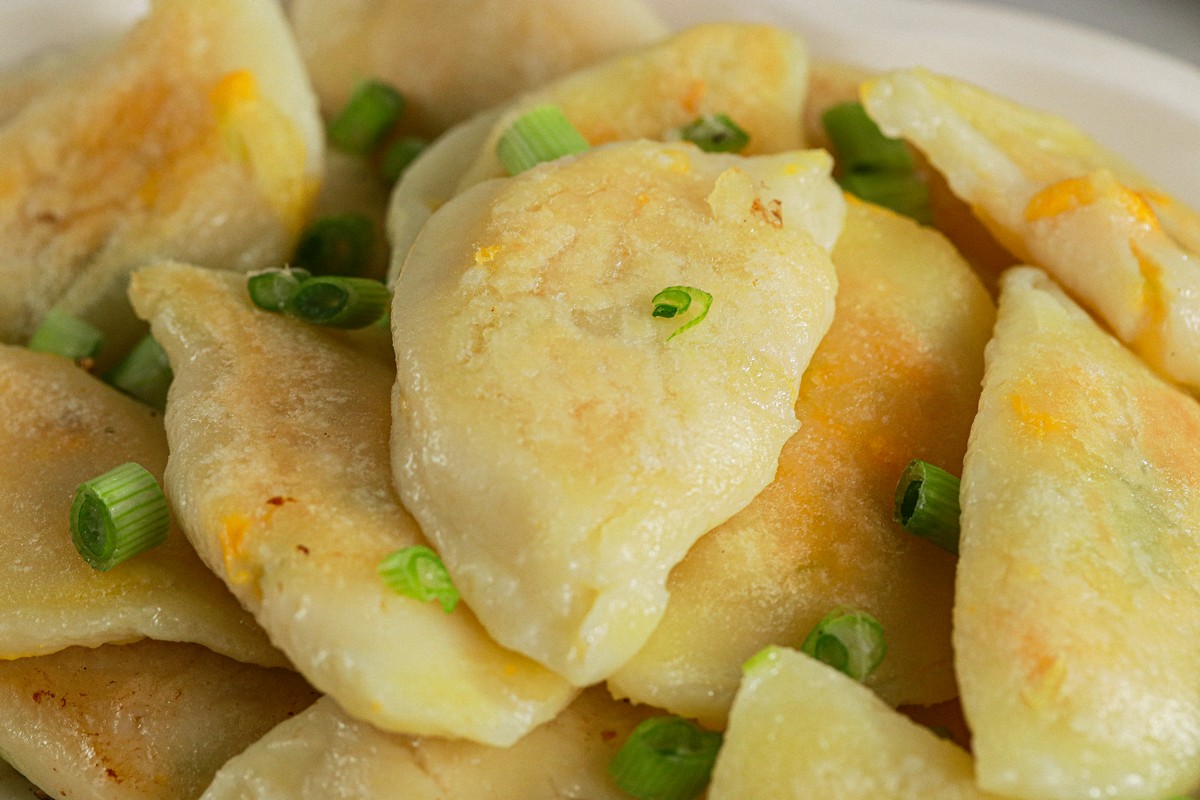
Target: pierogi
{"points": [[279, 472], [196, 137], [556, 441], [800, 729], [455, 58], [1055, 198], [896, 378], [323, 754], [1077, 613], [60, 426], [144, 721]]}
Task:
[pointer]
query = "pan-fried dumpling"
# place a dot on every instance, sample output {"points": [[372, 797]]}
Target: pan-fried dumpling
{"points": [[279, 469], [756, 74], [1077, 615], [455, 58], [323, 754], [800, 729], [1053, 196], [896, 378], [197, 137], [59, 426], [144, 721], [561, 449]]}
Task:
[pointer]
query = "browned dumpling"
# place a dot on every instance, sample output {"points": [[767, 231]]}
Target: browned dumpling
{"points": [[563, 446], [896, 378], [60, 426]]}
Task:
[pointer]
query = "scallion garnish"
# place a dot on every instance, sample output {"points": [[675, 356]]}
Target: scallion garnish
{"points": [[675, 300], [848, 640], [874, 167], [542, 133], [372, 109], [926, 504], [117, 515], [67, 335], [339, 244], [336, 301], [272, 289], [665, 758], [398, 155], [715, 133], [145, 373], [417, 572]]}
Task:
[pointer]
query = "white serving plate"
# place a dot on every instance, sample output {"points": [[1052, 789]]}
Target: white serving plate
{"points": [[1138, 102]]}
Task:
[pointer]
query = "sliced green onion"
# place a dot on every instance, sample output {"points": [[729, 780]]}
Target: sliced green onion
{"points": [[372, 109], [848, 640], [860, 145], [117, 515], [903, 192], [665, 758], [339, 244], [926, 504], [399, 155], [676, 300], [145, 373], [272, 289], [715, 133], [542, 133], [419, 573], [67, 335], [339, 302]]}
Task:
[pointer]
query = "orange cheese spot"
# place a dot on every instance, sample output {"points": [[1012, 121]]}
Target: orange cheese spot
{"points": [[1139, 209], [232, 537], [235, 89], [488, 253], [694, 96], [1040, 422], [1058, 198]]}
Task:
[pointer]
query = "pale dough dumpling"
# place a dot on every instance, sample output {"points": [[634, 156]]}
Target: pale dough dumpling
{"points": [[144, 721], [279, 469], [196, 137], [802, 730], [60, 426], [454, 58], [553, 440], [1055, 198], [325, 755], [896, 378], [1077, 616]]}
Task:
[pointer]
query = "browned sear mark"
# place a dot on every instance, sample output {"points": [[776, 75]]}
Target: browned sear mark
{"points": [[771, 213]]}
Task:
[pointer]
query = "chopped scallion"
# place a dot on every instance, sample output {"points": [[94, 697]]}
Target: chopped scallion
{"points": [[675, 300], [859, 144], [666, 758], [903, 192], [339, 244], [117, 515], [398, 156], [926, 504], [339, 302], [419, 573], [372, 109], [145, 373], [542, 133], [715, 133], [848, 640], [272, 289], [67, 335]]}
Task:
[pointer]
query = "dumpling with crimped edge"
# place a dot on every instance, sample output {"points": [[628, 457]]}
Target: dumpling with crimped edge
{"points": [[324, 754], [196, 137], [1050, 194], [1077, 614], [456, 58], [800, 729], [60, 426], [563, 446], [279, 470], [756, 74], [143, 721], [896, 378]]}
